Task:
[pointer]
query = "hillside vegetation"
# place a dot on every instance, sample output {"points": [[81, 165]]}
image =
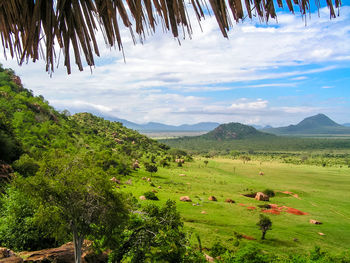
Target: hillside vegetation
{"points": [[239, 137], [73, 178], [235, 131]]}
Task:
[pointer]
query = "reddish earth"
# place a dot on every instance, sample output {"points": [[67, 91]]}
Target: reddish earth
{"points": [[251, 207], [295, 211], [242, 204], [248, 237], [272, 211], [277, 210], [287, 192]]}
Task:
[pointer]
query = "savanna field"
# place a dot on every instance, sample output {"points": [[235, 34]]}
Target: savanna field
{"points": [[80, 177], [322, 193]]}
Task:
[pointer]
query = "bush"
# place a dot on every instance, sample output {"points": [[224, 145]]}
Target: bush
{"points": [[151, 196], [269, 192], [26, 166], [217, 250]]}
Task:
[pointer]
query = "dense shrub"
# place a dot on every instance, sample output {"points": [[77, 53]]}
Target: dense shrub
{"points": [[269, 192], [151, 196]]}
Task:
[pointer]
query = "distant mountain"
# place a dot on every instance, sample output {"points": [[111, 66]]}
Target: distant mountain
{"points": [[234, 130], [318, 124], [160, 127], [346, 124]]}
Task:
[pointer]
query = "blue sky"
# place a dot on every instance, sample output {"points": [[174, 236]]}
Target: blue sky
{"points": [[276, 74]]}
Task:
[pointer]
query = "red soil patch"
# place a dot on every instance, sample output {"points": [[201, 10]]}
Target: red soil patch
{"points": [[272, 211], [282, 208], [248, 237], [295, 211], [251, 207], [296, 196], [242, 204], [277, 210], [287, 192]]}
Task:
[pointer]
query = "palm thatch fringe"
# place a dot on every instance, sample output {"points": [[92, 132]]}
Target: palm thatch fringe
{"points": [[28, 25]]}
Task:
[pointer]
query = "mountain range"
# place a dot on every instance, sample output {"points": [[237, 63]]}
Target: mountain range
{"points": [[317, 124], [160, 127]]}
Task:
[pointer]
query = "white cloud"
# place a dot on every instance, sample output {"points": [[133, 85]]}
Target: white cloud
{"points": [[148, 87], [243, 104]]}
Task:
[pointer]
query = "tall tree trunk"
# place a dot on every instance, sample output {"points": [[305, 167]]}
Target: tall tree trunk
{"points": [[78, 243], [263, 234]]}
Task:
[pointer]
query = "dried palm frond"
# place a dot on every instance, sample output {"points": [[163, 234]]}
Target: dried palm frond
{"points": [[27, 25]]}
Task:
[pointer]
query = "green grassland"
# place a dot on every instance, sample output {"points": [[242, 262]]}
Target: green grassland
{"points": [[323, 194]]}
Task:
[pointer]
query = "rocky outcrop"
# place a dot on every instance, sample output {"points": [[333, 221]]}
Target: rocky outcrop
{"points": [[212, 198], [315, 222], [64, 254], [185, 199], [8, 256], [261, 197]]}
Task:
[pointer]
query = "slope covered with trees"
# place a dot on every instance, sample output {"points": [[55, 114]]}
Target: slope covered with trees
{"points": [[55, 180]]}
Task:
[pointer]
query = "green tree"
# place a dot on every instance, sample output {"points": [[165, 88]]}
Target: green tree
{"points": [[155, 235], [152, 168], [264, 225], [80, 195]]}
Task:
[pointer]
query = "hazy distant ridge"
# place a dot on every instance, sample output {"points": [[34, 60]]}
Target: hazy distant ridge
{"points": [[160, 127], [318, 124]]}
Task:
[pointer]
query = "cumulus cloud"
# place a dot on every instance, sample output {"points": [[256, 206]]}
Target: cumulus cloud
{"points": [[163, 81], [243, 104]]}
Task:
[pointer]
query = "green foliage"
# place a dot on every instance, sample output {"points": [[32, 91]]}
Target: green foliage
{"points": [[201, 145], [19, 229], [151, 196], [217, 249], [264, 224], [156, 235], [247, 254], [26, 166], [151, 168]]}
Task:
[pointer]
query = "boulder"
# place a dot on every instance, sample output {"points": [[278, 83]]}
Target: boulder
{"points": [[135, 165], [321, 234], [129, 182], [185, 199], [182, 174], [209, 258], [115, 180], [261, 173], [159, 187], [149, 179], [8, 256], [313, 221], [261, 197], [203, 212], [228, 200], [212, 198], [142, 197], [64, 254]]}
